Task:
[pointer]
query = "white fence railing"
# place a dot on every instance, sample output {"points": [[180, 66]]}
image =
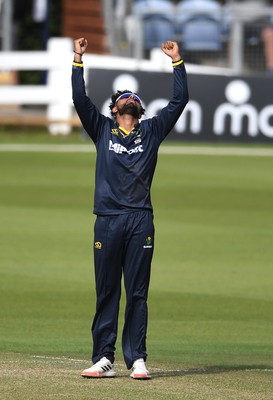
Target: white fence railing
{"points": [[56, 94]]}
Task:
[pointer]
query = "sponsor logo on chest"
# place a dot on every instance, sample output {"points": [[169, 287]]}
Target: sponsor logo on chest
{"points": [[119, 149]]}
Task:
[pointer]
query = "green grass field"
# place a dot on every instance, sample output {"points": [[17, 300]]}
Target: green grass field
{"points": [[211, 299]]}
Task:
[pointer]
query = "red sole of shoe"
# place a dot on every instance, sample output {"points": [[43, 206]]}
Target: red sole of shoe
{"points": [[141, 377], [97, 376]]}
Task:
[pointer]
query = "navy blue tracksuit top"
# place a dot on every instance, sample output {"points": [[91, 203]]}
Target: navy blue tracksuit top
{"points": [[125, 165]]}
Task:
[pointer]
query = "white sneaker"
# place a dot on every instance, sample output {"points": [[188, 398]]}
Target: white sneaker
{"points": [[139, 370], [101, 369]]}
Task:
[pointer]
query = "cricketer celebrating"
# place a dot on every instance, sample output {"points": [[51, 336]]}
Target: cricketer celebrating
{"points": [[124, 231]]}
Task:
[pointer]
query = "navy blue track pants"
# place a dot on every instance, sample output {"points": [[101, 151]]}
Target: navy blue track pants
{"points": [[123, 244]]}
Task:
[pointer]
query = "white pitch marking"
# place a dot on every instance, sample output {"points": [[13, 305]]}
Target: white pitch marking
{"points": [[165, 149], [65, 359]]}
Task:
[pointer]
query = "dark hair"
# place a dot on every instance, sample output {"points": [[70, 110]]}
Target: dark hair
{"points": [[114, 99]]}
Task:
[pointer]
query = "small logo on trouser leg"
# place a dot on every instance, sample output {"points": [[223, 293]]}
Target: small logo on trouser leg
{"points": [[148, 243]]}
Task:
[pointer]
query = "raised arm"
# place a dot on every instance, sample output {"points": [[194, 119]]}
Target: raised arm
{"points": [[167, 117], [89, 114]]}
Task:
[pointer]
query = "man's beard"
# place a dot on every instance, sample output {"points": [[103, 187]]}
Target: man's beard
{"points": [[129, 109]]}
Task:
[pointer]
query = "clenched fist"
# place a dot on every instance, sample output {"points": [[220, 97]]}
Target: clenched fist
{"points": [[171, 49], [80, 46]]}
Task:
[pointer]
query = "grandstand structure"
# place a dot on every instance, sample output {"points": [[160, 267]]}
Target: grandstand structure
{"points": [[124, 35], [230, 34]]}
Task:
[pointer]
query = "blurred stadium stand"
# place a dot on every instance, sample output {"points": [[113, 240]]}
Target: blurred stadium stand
{"points": [[156, 22], [228, 33], [233, 34]]}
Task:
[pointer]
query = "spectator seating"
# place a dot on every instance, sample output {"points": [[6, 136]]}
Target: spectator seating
{"points": [[157, 19], [200, 25]]}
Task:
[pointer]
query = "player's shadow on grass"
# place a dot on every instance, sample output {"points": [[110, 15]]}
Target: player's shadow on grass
{"points": [[209, 370]]}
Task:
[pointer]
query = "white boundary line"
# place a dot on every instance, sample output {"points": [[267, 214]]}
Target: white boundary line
{"points": [[216, 151], [190, 150], [48, 148]]}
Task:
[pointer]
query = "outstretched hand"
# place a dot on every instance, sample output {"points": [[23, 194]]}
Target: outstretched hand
{"points": [[171, 49]]}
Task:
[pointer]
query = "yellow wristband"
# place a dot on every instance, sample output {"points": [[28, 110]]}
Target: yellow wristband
{"points": [[175, 64], [76, 64]]}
